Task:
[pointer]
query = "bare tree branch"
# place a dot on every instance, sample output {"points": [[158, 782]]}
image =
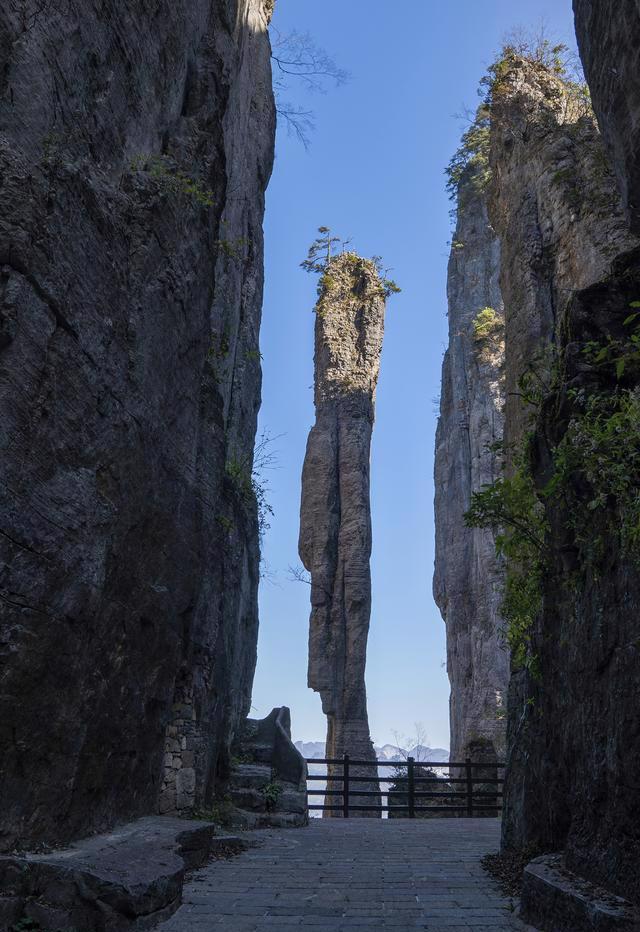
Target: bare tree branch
{"points": [[299, 60]]}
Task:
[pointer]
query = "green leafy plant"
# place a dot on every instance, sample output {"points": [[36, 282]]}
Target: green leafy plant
{"points": [[241, 757], [469, 169], [271, 793], [323, 251], [225, 523], [513, 511], [26, 925], [488, 325], [248, 479], [471, 159], [621, 353], [595, 481], [597, 468], [232, 248], [221, 812], [172, 179]]}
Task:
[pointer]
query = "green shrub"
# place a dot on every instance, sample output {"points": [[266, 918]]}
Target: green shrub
{"points": [[513, 511], [595, 482], [471, 159], [271, 793], [487, 325]]}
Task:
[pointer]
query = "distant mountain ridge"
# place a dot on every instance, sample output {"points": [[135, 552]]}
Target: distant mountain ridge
{"points": [[388, 752]]}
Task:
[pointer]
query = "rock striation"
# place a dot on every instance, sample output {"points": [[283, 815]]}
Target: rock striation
{"points": [[136, 144], [468, 578], [569, 271], [609, 37], [335, 516]]}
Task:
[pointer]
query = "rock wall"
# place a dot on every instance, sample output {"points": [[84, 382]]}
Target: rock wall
{"points": [[136, 142], [569, 270], [468, 579], [335, 516], [609, 37]]}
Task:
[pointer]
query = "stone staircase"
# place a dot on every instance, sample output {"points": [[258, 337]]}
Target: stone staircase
{"points": [[268, 778]]}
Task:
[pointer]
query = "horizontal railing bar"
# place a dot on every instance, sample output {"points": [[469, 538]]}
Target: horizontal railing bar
{"points": [[403, 763], [318, 808], [373, 779], [392, 793], [417, 780], [475, 780], [417, 808]]}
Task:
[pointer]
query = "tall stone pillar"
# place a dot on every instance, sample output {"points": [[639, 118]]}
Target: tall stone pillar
{"points": [[335, 529]]}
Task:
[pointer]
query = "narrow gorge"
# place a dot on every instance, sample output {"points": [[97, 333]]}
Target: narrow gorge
{"points": [[137, 143]]}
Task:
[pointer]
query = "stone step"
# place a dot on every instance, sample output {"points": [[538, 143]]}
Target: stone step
{"points": [[258, 752], [250, 775], [555, 898], [130, 878], [248, 820], [290, 799]]}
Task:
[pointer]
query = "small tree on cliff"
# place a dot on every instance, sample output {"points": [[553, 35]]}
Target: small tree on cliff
{"points": [[322, 251]]}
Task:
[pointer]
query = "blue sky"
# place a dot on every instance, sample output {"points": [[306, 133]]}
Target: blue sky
{"points": [[374, 173]]}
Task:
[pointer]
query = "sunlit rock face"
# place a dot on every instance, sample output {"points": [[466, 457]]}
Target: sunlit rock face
{"points": [[468, 578], [335, 518], [135, 148], [569, 270], [609, 37]]}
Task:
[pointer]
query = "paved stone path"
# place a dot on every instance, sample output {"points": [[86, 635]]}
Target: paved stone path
{"points": [[357, 875]]}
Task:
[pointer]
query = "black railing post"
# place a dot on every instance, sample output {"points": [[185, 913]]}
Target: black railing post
{"points": [[345, 787], [469, 788], [412, 788]]}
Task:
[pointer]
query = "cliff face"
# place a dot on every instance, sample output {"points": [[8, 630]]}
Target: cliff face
{"points": [[554, 206], [335, 517], [468, 580], [135, 147], [609, 36], [569, 272]]}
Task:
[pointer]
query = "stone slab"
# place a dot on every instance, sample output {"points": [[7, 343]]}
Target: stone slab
{"points": [[129, 878], [556, 900]]}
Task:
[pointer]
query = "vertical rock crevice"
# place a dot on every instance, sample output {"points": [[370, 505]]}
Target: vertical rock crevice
{"points": [[335, 525]]}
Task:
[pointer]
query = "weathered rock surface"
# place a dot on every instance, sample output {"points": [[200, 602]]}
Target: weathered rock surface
{"points": [[335, 518], [559, 901], [268, 779], [128, 879], [135, 146], [468, 580], [554, 206], [569, 273], [609, 37]]}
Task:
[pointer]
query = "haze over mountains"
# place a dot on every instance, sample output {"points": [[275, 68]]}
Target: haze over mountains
{"points": [[387, 752]]}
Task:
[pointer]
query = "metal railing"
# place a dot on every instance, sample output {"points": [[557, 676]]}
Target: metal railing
{"points": [[470, 799]]}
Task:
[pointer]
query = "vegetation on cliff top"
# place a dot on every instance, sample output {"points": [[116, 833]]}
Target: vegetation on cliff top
{"points": [[469, 168], [324, 251]]}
